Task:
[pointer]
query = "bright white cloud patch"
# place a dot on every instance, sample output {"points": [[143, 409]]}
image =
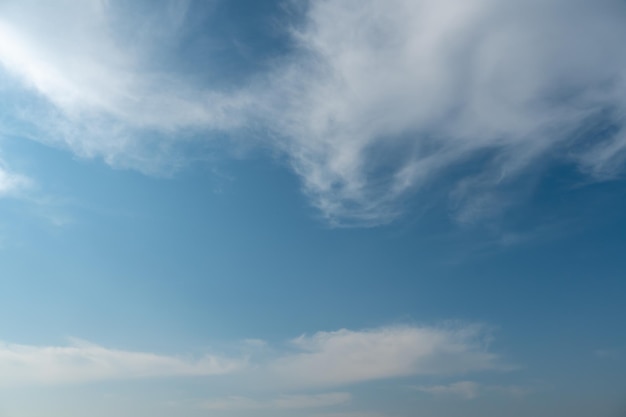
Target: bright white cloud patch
{"points": [[102, 96], [84, 362], [397, 92], [344, 356], [376, 101], [93, 73]]}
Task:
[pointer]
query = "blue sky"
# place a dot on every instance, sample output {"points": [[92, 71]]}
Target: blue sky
{"points": [[331, 208]]}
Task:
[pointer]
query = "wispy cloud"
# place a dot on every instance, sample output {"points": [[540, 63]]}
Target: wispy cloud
{"points": [[468, 390], [396, 93], [285, 402], [374, 102], [344, 356], [351, 414], [11, 183], [101, 95], [324, 360], [608, 353], [464, 389], [83, 362]]}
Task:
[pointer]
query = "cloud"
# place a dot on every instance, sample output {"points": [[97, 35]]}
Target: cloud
{"points": [[468, 390], [608, 353], [94, 86], [285, 402], [351, 414], [11, 183], [395, 94], [83, 362], [323, 360], [92, 72], [373, 104], [345, 356], [464, 389]]}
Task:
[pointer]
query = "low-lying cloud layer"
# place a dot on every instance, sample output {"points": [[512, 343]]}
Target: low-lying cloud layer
{"points": [[374, 102], [344, 356], [86, 362], [469, 390], [285, 402], [326, 359]]}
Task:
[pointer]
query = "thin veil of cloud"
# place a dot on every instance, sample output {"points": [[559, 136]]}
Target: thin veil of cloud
{"points": [[83, 362], [284, 402], [343, 357], [12, 183], [324, 360], [464, 389], [374, 102], [469, 390]]}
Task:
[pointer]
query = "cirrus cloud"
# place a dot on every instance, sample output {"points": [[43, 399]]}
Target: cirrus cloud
{"points": [[374, 102]]}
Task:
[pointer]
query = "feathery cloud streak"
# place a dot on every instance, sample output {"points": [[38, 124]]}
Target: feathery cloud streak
{"points": [[85, 362], [396, 93], [96, 88], [326, 359], [469, 390], [285, 402], [375, 101]]}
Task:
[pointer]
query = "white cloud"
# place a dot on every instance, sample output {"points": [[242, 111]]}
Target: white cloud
{"points": [[11, 183], [377, 101], [324, 360], [102, 98], [285, 402], [464, 389], [344, 356], [88, 70], [351, 414], [468, 390], [394, 93], [83, 362]]}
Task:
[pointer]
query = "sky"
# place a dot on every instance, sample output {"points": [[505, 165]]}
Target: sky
{"points": [[312, 208]]}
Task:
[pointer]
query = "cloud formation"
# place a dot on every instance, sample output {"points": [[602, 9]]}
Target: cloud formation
{"points": [[469, 390], [326, 359], [374, 103], [285, 402], [464, 389], [397, 93], [11, 183], [95, 87], [345, 356], [83, 362]]}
